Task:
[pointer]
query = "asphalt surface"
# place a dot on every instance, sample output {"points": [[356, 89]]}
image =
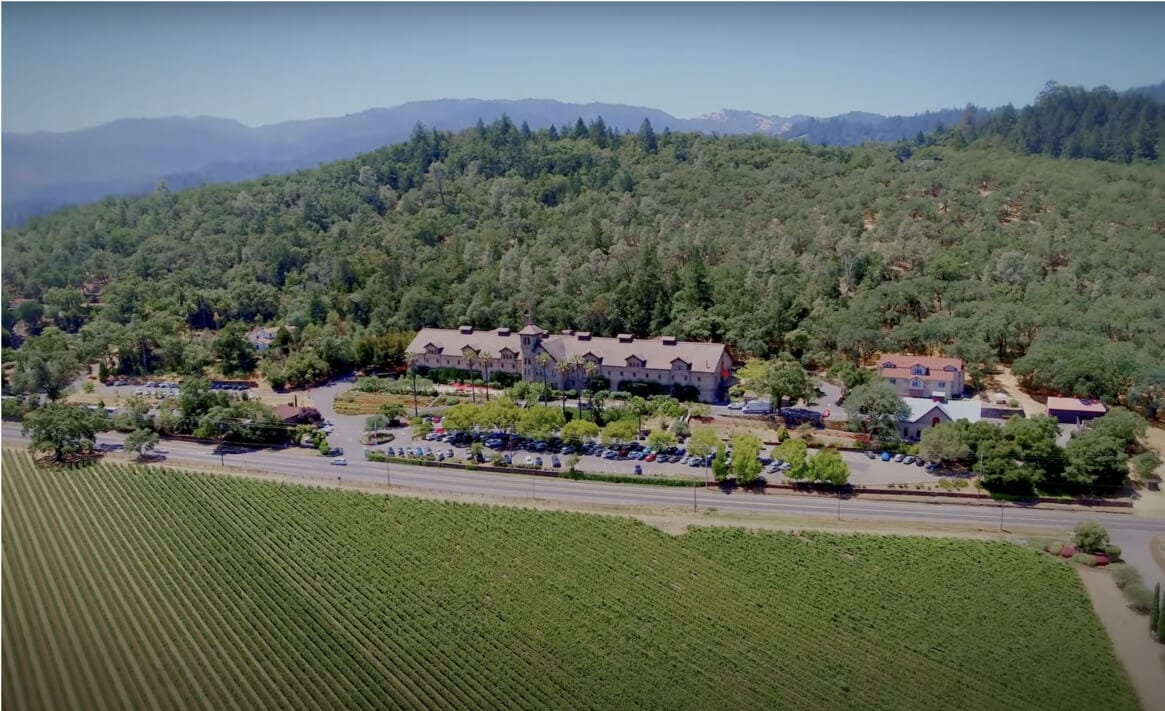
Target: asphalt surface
{"points": [[304, 464]]}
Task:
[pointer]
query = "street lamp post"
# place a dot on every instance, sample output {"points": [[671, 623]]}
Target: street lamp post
{"points": [[388, 469], [1001, 505]]}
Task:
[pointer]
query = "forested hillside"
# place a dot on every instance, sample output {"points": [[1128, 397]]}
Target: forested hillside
{"points": [[768, 245], [1072, 122]]}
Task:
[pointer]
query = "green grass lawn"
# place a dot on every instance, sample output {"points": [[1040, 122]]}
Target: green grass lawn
{"points": [[130, 587]]}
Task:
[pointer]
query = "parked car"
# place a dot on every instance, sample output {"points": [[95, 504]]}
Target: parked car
{"points": [[555, 461], [340, 462], [736, 406], [886, 456], [528, 461], [610, 454], [919, 462], [507, 460], [638, 470], [899, 457], [870, 454], [908, 459]]}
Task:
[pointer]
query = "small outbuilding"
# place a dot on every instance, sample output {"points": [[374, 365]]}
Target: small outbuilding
{"points": [[293, 415], [1073, 411]]}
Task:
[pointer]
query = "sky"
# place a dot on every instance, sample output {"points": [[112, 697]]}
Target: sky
{"points": [[65, 66]]}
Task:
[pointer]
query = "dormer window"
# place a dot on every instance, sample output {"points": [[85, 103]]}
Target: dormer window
{"points": [[681, 365], [634, 362], [950, 369], [888, 364], [468, 352], [432, 349], [918, 370], [508, 354]]}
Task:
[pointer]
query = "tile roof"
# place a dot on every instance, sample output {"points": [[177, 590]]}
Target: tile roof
{"points": [[702, 357], [453, 342], [1072, 404], [902, 364]]}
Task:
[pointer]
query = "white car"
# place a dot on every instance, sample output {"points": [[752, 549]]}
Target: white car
{"points": [[340, 462], [529, 461], [161, 450], [736, 406]]}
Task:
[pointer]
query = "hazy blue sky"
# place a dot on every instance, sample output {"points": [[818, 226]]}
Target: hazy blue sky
{"points": [[71, 65]]}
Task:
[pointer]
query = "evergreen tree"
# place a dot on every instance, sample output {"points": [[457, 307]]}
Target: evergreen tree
{"points": [[647, 137], [1160, 623], [553, 133], [580, 129], [1155, 610], [525, 131], [598, 132]]}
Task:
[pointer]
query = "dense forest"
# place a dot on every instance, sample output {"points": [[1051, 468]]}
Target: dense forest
{"points": [[771, 246], [1071, 122]]}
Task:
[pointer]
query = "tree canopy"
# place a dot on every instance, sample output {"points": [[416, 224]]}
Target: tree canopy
{"points": [[770, 246]]}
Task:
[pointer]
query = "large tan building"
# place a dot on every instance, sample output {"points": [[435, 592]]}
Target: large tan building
{"points": [[562, 359], [922, 376]]}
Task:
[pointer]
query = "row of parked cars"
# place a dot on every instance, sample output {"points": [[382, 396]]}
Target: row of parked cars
{"points": [[903, 458]]}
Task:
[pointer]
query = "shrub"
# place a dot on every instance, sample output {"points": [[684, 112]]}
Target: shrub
{"points": [[1139, 597], [1085, 559], [1124, 575], [1055, 548], [1090, 536], [1112, 551], [1013, 403]]}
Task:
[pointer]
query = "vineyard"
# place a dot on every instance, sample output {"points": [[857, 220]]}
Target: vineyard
{"points": [[131, 587]]}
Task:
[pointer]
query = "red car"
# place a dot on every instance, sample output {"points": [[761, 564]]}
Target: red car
{"points": [[650, 457]]}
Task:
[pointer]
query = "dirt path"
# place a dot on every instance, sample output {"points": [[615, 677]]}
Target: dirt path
{"points": [[1141, 657], [1004, 381]]}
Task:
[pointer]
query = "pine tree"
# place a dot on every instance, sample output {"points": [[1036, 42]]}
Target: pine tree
{"points": [[1160, 623], [1155, 611]]}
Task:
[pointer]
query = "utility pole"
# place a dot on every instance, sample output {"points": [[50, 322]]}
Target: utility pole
{"points": [[1001, 506], [388, 469], [693, 499], [839, 503]]}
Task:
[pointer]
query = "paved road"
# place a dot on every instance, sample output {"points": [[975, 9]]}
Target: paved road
{"points": [[304, 464]]}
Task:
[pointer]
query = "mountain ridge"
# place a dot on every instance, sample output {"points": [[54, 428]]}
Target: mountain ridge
{"points": [[45, 171]]}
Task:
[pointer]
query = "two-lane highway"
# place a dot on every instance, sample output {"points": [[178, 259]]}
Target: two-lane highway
{"points": [[309, 467]]}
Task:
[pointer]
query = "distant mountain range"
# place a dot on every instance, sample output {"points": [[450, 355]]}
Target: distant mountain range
{"points": [[43, 171]]}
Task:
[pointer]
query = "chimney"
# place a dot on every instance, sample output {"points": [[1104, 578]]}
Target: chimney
{"points": [[503, 331], [626, 338], [568, 332], [583, 335], [668, 340], [466, 330]]}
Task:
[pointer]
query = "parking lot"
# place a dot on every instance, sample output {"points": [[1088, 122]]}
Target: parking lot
{"points": [[864, 471]]}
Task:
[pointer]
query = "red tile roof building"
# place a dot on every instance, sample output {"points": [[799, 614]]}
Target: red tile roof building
{"points": [[922, 376]]}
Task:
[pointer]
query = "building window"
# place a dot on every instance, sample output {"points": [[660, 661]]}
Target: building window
{"points": [[893, 381], [942, 386]]}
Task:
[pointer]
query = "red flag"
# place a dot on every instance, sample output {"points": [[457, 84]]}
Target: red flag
{"points": [[724, 374]]}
